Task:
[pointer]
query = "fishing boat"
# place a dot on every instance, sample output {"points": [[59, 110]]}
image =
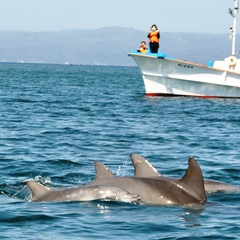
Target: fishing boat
{"points": [[166, 76]]}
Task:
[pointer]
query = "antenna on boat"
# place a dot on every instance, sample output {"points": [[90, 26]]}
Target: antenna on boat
{"points": [[233, 13]]}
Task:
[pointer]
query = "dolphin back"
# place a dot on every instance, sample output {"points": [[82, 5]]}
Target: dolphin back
{"points": [[102, 171], [142, 168], [38, 190], [193, 179]]}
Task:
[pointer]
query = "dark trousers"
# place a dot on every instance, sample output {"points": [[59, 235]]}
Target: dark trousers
{"points": [[154, 47]]}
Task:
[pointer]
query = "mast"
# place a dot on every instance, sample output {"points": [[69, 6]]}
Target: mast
{"points": [[233, 29]]}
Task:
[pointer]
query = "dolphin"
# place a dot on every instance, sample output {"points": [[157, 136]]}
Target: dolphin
{"points": [[142, 168], [83, 193], [145, 186], [155, 190], [212, 187]]}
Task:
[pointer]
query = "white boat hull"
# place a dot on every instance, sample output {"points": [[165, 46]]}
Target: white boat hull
{"points": [[164, 76]]}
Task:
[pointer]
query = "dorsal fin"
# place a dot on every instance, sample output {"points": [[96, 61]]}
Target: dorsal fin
{"points": [[102, 171], [38, 190], [193, 178], [142, 168]]}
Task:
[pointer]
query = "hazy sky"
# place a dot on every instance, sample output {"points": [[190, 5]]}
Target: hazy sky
{"points": [[205, 16]]}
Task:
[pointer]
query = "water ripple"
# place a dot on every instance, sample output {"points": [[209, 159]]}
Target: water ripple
{"points": [[56, 120]]}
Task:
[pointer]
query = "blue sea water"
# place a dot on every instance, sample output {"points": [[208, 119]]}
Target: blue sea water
{"points": [[55, 120]]}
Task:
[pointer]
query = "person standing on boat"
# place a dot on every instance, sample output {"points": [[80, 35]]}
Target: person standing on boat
{"points": [[143, 47], [154, 37]]}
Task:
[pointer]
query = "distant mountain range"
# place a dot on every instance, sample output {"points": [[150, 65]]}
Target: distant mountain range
{"points": [[106, 46]]}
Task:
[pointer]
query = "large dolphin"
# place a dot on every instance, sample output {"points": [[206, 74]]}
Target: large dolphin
{"points": [[145, 184], [154, 190], [83, 193], [144, 169]]}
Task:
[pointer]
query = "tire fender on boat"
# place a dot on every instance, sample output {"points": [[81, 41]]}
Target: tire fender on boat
{"points": [[232, 60]]}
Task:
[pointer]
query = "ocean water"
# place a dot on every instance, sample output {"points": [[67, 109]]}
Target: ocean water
{"points": [[55, 120]]}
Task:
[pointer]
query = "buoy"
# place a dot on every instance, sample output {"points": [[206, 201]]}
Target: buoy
{"points": [[232, 60]]}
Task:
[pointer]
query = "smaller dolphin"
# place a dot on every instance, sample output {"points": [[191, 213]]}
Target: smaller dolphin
{"points": [[143, 168], [84, 193], [212, 187]]}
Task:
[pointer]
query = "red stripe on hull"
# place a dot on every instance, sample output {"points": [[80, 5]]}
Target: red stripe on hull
{"points": [[176, 95]]}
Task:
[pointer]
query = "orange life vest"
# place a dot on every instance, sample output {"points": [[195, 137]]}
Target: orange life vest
{"points": [[153, 36]]}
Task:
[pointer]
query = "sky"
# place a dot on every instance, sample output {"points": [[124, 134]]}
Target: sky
{"points": [[203, 16]]}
